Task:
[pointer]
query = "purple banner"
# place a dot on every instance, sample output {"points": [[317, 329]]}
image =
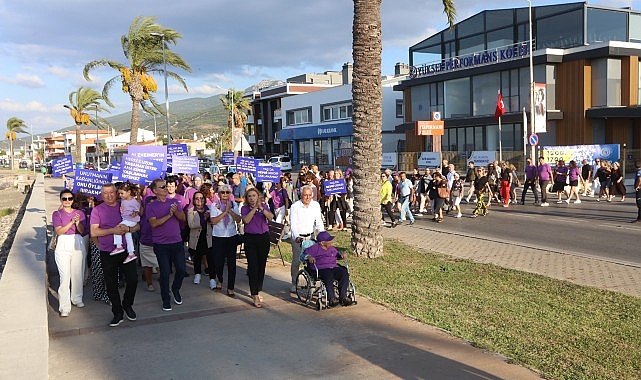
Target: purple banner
{"points": [[185, 164], [246, 165], [150, 152], [267, 173], [90, 181], [139, 170], [62, 166], [227, 158], [335, 186]]}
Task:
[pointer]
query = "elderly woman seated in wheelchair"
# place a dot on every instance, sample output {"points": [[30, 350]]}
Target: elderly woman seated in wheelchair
{"points": [[320, 264]]}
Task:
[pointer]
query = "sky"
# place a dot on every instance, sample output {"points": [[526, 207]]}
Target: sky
{"points": [[45, 44]]}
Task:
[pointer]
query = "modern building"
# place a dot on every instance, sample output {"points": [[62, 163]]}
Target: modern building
{"points": [[585, 61]]}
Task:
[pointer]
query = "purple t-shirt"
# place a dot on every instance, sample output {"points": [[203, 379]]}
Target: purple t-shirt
{"points": [[325, 258], [258, 224], [62, 218], [561, 173], [106, 217], [530, 172], [544, 172], [575, 173], [168, 232], [145, 228], [278, 197]]}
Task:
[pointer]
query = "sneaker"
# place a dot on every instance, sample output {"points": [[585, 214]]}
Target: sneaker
{"points": [[129, 312], [577, 201], [411, 222], [177, 297], [166, 307], [117, 251], [459, 215], [64, 313], [212, 284], [418, 214], [545, 204], [150, 288], [347, 302], [79, 304], [567, 201], [559, 201], [116, 321], [383, 223], [197, 278], [292, 289], [131, 257]]}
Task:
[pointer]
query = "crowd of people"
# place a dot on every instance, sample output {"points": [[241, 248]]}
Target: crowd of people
{"points": [[182, 218]]}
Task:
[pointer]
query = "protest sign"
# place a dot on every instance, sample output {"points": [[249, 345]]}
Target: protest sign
{"points": [[139, 170], [62, 166], [177, 150], [184, 164], [150, 152], [267, 173], [90, 181], [335, 186], [246, 165], [227, 158], [115, 169]]}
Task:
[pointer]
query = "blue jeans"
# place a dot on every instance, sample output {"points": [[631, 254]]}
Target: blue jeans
{"points": [[166, 255], [405, 209]]}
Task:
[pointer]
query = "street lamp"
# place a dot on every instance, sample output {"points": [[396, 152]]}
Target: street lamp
{"points": [[164, 60]]}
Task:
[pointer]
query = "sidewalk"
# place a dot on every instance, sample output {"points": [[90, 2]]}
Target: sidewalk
{"points": [[213, 336], [562, 265]]}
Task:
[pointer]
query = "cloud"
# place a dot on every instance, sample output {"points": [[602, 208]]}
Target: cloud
{"points": [[24, 80], [30, 106]]}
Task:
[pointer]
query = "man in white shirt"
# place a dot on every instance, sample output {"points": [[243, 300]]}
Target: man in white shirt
{"points": [[405, 191], [305, 217]]}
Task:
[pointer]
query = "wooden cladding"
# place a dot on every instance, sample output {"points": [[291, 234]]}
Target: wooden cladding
{"points": [[574, 97]]}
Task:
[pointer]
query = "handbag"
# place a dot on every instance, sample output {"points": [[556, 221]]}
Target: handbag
{"points": [[456, 193], [443, 192], [53, 241]]}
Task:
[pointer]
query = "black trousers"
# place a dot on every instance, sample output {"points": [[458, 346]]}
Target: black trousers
{"points": [[256, 251], [387, 207], [638, 196], [338, 273], [531, 185], [110, 266], [223, 248]]}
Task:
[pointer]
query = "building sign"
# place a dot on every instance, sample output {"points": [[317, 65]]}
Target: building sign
{"points": [[429, 127], [487, 57], [605, 152], [316, 132], [482, 157], [390, 160], [429, 159], [540, 108]]}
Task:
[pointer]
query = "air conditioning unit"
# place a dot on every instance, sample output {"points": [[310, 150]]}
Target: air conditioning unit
{"points": [[260, 142]]}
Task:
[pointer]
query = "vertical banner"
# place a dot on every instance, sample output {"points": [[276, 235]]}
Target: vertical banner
{"points": [[540, 108]]}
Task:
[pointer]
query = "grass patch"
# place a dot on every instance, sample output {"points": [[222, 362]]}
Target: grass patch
{"points": [[6, 211], [566, 331]]}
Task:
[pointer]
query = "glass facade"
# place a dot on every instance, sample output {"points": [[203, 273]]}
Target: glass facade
{"points": [[468, 139], [457, 98], [560, 31], [606, 25], [606, 82]]}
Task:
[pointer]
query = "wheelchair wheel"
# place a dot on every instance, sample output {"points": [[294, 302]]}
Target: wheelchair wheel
{"points": [[303, 287], [322, 299], [351, 292]]}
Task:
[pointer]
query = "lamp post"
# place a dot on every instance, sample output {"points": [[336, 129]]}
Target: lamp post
{"points": [[97, 156], [164, 60], [532, 148]]}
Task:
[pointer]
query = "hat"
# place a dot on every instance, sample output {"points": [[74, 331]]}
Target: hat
{"points": [[197, 176], [324, 236], [395, 173]]}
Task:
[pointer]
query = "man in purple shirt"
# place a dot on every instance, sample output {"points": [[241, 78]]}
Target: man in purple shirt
{"points": [[530, 181], [324, 255], [105, 222], [165, 217], [544, 172]]}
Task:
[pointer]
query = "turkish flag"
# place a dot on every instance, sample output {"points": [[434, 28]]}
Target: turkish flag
{"points": [[500, 107]]}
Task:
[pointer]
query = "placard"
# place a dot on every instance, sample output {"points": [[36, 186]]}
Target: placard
{"points": [[185, 164], [115, 169], [62, 166], [140, 170], [335, 186], [227, 158], [429, 160], [246, 165], [90, 181], [266, 173], [150, 152], [177, 150]]}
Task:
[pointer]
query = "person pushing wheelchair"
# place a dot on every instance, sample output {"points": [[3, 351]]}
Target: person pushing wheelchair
{"points": [[324, 255]]}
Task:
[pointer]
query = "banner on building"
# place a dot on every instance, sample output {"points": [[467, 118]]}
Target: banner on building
{"points": [[62, 166], [90, 181], [390, 160], [482, 157], [605, 152], [429, 160], [540, 108]]}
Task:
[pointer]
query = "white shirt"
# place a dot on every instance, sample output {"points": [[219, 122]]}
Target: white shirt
{"points": [[304, 220], [219, 229]]}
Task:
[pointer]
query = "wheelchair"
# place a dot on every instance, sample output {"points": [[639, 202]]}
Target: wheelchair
{"points": [[310, 288]]}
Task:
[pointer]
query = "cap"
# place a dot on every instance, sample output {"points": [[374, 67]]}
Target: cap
{"points": [[324, 236]]}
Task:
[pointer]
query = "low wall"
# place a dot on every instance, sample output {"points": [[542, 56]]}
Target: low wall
{"points": [[24, 332]]}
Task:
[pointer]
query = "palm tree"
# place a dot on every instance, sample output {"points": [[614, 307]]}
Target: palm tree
{"points": [[367, 121], [144, 52], [14, 126], [80, 102], [237, 106]]}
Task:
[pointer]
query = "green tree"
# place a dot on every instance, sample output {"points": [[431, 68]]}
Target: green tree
{"points": [[237, 106], [368, 120], [143, 49], [14, 126], [81, 102]]}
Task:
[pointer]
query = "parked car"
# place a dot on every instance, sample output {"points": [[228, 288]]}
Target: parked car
{"points": [[90, 166], [283, 162]]}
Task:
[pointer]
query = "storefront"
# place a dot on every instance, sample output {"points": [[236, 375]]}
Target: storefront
{"points": [[585, 59], [325, 145]]}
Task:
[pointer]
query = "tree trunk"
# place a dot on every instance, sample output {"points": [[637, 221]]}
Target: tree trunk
{"points": [[133, 138], [78, 153], [11, 151], [136, 92], [367, 121]]}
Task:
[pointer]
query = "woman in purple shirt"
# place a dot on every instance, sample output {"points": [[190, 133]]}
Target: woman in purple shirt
{"points": [[560, 178], [255, 215], [70, 253], [574, 173]]}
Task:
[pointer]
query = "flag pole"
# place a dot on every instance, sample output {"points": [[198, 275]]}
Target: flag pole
{"points": [[500, 143]]}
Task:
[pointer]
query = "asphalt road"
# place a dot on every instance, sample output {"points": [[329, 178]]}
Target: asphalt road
{"points": [[598, 229]]}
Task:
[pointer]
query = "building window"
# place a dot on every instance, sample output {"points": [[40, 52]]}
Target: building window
{"points": [[297, 117], [337, 112], [400, 109], [561, 31], [605, 25], [606, 82], [457, 98]]}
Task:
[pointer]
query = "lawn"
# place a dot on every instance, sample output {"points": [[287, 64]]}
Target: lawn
{"points": [[563, 330]]}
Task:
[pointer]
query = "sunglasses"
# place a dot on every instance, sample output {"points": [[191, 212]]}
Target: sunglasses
{"points": [[224, 192], [199, 198], [67, 198], [162, 186]]}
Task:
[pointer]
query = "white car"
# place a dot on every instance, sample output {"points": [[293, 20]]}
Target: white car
{"points": [[282, 162]]}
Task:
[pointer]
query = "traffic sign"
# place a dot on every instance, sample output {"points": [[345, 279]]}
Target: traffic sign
{"points": [[533, 139]]}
